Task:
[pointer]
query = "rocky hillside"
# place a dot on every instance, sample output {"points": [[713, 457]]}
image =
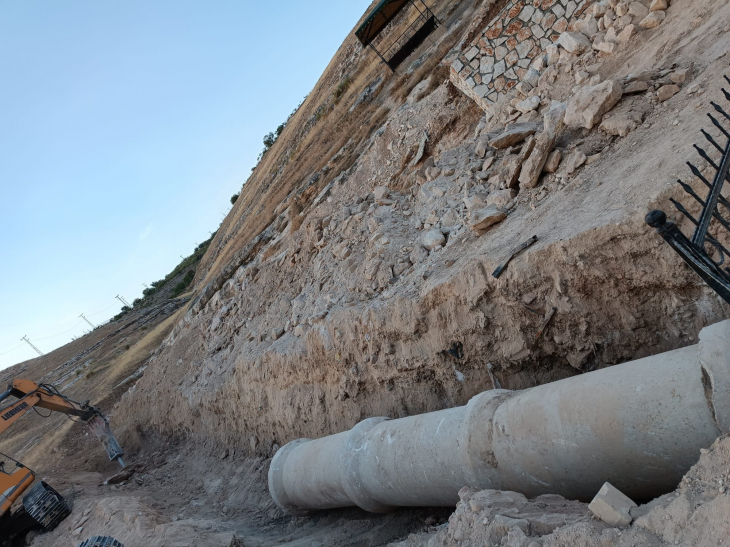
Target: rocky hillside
{"points": [[354, 275]]}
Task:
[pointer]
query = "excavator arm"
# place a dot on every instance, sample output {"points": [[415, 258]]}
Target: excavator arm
{"points": [[42, 505], [30, 395]]}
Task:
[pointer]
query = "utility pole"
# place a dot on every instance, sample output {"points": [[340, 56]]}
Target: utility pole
{"points": [[145, 285], [181, 256], [89, 322], [121, 299], [25, 339]]}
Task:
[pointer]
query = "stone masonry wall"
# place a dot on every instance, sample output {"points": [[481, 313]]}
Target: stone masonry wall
{"points": [[500, 57]]}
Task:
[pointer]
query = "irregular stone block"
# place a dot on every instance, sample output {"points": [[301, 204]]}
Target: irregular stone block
{"points": [[432, 239], [612, 506], [587, 107], [484, 218], [654, 19], [513, 134], [575, 42], [666, 92], [553, 161]]}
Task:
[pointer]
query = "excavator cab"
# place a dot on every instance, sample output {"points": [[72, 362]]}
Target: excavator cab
{"points": [[42, 507]]}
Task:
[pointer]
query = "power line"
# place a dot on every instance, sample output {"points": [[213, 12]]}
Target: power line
{"points": [[12, 350], [98, 312], [59, 334], [25, 339]]}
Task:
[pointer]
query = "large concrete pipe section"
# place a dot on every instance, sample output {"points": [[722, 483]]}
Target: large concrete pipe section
{"points": [[639, 425]]}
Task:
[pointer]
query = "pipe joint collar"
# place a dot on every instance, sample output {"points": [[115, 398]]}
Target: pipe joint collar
{"points": [[714, 357], [475, 437], [356, 447]]}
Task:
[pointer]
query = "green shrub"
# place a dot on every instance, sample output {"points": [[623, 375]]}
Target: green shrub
{"points": [[234, 198], [341, 88], [180, 287]]}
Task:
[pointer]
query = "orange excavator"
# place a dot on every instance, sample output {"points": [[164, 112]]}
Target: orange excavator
{"points": [[42, 507]]}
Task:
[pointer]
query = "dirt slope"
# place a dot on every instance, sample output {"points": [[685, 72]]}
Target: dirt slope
{"points": [[348, 282]]}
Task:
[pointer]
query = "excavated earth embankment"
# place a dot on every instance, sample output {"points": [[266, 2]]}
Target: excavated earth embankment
{"points": [[370, 291]]}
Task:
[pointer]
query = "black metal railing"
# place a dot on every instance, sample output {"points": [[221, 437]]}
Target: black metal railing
{"points": [[408, 40], [406, 35], [704, 252]]}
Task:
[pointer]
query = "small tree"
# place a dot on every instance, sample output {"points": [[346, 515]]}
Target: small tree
{"points": [[234, 198]]}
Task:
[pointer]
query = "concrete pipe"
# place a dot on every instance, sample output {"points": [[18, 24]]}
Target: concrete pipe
{"points": [[639, 426]]}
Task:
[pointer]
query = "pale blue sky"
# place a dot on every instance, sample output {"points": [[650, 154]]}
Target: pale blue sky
{"points": [[125, 128]]}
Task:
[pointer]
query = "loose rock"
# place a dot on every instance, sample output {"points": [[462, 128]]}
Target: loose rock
{"points": [[432, 239], [654, 19], [514, 134], [553, 161], [612, 506], [575, 42], [587, 107], [666, 92], [484, 218]]}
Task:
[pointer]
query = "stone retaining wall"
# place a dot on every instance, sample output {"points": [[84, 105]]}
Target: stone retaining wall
{"points": [[499, 58]]}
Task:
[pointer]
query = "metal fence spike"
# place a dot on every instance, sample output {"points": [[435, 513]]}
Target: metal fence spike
{"points": [[712, 141], [696, 172], [684, 211], [705, 157], [687, 188]]}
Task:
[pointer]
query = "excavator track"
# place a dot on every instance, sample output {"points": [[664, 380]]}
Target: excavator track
{"points": [[100, 541], [46, 506]]}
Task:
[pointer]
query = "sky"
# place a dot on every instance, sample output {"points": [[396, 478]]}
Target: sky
{"points": [[125, 128]]}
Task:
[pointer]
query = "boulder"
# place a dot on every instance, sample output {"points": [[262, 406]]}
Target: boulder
{"points": [[544, 143], [587, 107], [480, 149], [528, 105], [626, 34], [553, 161], [575, 42], [622, 124], [513, 134], [679, 76], [612, 506], [484, 218], [639, 10], [666, 92], [477, 201], [573, 161], [659, 5], [636, 87], [533, 166], [654, 19], [501, 198], [433, 239]]}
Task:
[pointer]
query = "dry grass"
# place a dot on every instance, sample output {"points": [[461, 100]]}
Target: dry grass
{"points": [[308, 144]]}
